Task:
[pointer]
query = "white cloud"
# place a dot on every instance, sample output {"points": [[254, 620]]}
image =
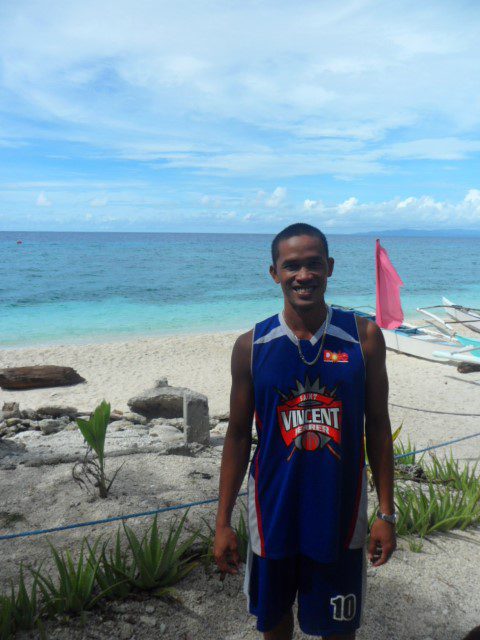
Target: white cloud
{"points": [[347, 206], [424, 212], [43, 201], [245, 93], [277, 198]]}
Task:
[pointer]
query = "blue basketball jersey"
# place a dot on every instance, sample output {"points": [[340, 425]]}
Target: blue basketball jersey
{"points": [[307, 480]]}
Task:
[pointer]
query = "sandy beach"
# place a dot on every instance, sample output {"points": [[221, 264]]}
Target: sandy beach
{"points": [[431, 595]]}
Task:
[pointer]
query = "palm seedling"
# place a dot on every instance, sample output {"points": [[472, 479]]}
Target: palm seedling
{"points": [[90, 472]]}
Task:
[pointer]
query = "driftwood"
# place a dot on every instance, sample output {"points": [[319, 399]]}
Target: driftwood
{"points": [[468, 367], [39, 376]]}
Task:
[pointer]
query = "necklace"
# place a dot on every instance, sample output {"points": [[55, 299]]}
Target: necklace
{"points": [[297, 340]]}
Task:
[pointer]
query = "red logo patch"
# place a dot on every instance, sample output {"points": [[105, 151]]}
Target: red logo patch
{"points": [[335, 356]]}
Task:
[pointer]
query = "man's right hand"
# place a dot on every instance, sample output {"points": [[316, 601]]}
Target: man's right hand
{"points": [[225, 550]]}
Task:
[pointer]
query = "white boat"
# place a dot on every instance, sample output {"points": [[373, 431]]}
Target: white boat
{"points": [[426, 343], [465, 315]]}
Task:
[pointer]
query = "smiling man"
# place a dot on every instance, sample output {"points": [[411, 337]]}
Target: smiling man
{"points": [[314, 378]]}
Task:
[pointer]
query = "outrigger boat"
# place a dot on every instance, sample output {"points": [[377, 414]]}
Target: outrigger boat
{"points": [[439, 344], [468, 316], [426, 343]]}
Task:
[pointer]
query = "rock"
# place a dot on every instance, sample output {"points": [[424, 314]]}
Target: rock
{"points": [[195, 416], [177, 423], [11, 422], [149, 608], [38, 377], [159, 402], [11, 407], [166, 433], [121, 425], [189, 450], [28, 414], [222, 417], [468, 367], [47, 427], [54, 411], [126, 631], [149, 621], [161, 382], [134, 417], [116, 415]]}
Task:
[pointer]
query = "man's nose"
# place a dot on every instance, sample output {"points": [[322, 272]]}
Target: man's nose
{"points": [[304, 274]]}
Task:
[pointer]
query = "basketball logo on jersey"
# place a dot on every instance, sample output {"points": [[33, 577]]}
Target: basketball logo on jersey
{"points": [[310, 417]]}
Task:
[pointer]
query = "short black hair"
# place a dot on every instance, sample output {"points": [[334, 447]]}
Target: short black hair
{"points": [[297, 229]]}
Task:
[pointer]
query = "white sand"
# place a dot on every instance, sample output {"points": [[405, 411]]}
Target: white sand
{"points": [[417, 596]]}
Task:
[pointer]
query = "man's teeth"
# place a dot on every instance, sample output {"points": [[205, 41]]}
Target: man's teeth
{"points": [[304, 289]]}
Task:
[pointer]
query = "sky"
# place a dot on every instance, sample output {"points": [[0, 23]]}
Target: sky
{"points": [[239, 116]]}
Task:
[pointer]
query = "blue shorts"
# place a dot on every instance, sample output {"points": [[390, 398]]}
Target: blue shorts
{"points": [[330, 596]]}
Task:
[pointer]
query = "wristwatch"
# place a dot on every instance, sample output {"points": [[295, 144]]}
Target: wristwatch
{"points": [[392, 519]]}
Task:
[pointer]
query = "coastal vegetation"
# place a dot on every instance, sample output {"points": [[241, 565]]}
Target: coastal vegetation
{"points": [[90, 472], [440, 495]]}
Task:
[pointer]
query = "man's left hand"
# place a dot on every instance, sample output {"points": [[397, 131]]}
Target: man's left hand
{"points": [[383, 542]]}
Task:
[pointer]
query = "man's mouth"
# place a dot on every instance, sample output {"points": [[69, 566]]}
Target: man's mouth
{"points": [[304, 290]]}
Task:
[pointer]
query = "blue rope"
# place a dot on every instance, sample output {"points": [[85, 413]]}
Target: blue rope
{"points": [[92, 523]]}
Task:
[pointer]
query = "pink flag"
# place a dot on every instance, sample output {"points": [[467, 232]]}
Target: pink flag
{"points": [[389, 308]]}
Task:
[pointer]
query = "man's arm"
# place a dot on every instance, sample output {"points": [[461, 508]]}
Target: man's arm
{"points": [[236, 454], [378, 438]]}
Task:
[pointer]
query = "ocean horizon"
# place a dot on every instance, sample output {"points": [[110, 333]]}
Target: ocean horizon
{"points": [[84, 287]]}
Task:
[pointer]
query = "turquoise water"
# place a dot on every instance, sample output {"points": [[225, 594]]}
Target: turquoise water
{"points": [[79, 287]]}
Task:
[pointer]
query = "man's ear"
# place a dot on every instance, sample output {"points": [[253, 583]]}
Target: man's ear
{"points": [[273, 273], [331, 263]]}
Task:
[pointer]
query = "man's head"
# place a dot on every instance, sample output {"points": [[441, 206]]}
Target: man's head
{"points": [[297, 229], [301, 265]]}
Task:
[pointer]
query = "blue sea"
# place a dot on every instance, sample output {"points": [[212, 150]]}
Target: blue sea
{"points": [[84, 287]]}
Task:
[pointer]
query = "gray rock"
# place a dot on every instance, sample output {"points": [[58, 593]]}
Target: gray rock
{"points": [[126, 631], [159, 402], [121, 425], [48, 426], [55, 411], [29, 414], [11, 422], [195, 416], [222, 417], [11, 407], [134, 417], [149, 621], [165, 433], [149, 608], [161, 382], [116, 415]]}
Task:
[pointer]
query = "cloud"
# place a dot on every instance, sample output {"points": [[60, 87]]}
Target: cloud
{"points": [[277, 88], [43, 201], [277, 198], [347, 206], [424, 212]]}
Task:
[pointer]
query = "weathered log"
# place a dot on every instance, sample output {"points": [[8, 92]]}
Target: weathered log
{"points": [[38, 376], [468, 367]]}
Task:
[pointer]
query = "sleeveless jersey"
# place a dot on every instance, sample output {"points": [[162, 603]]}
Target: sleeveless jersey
{"points": [[307, 479]]}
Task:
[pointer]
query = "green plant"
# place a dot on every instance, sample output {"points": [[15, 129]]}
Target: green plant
{"points": [[439, 508], [415, 544], [159, 563], [74, 591], [90, 472], [7, 619], [400, 449], [449, 471], [242, 535], [111, 569]]}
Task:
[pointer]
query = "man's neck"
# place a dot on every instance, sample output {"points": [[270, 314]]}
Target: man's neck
{"points": [[305, 324]]}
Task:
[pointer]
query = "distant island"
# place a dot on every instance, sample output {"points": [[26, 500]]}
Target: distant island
{"points": [[436, 233]]}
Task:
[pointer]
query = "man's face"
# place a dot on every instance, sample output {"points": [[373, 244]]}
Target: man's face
{"points": [[302, 269]]}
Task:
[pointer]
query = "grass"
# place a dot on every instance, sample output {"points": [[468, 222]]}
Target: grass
{"points": [[400, 449]]}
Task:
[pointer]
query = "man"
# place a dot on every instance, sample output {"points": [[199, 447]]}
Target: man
{"points": [[315, 379]]}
